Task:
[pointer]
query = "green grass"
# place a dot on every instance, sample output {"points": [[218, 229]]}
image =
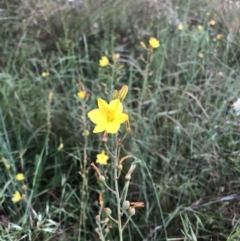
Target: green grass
{"points": [[180, 129]]}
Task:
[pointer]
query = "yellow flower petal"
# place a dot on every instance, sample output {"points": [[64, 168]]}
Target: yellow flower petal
{"points": [[112, 127], [102, 105], [120, 118], [116, 106], [100, 127], [97, 116]]}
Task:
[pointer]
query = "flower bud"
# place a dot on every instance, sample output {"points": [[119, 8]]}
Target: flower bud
{"points": [[119, 167], [131, 211], [115, 57], [143, 45], [115, 94], [50, 95], [128, 129], [126, 205], [107, 211], [105, 137], [101, 178], [128, 177], [123, 92]]}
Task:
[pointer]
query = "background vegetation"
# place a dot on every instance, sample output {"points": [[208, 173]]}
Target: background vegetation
{"points": [[180, 128]]}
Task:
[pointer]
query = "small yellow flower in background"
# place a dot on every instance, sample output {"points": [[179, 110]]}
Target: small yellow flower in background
{"points": [[103, 62], [180, 27], [102, 158], [45, 74], [219, 36], [200, 27], [143, 45], [16, 197], [81, 94], [154, 42], [20, 177], [108, 117], [115, 57], [60, 147], [200, 55], [212, 22]]}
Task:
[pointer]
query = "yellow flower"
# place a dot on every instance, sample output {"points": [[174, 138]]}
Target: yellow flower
{"points": [[16, 197], [45, 74], [154, 42], [108, 117], [212, 22], [103, 62], [81, 94], [115, 57], [200, 27], [20, 177], [180, 27], [200, 55], [102, 158]]}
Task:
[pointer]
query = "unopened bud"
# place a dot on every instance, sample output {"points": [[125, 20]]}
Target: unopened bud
{"points": [[143, 45], [131, 211], [50, 95], [115, 57], [126, 205], [128, 129], [115, 94], [123, 92], [101, 178], [119, 167], [128, 177], [108, 211], [105, 137], [120, 67]]}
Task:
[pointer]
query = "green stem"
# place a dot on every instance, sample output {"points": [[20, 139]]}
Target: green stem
{"points": [[117, 193]]}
